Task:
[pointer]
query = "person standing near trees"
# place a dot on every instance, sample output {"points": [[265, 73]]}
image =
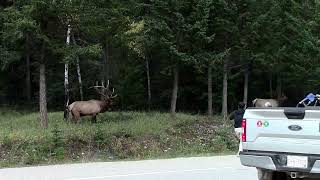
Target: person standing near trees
{"points": [[237, 116]]}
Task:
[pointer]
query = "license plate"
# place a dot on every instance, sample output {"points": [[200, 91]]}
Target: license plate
{"points": [[297, 161]]}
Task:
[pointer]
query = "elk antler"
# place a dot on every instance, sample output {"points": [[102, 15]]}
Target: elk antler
{"points": [[108, 84], [102, 90], [111, 95]]}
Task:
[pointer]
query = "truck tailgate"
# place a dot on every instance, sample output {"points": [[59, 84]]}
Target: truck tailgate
{"points": [[294, 130]]}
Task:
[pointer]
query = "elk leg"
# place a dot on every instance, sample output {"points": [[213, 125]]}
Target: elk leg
{"points": [[72, 119], [70, 116], [94, 118], [76, 116]]}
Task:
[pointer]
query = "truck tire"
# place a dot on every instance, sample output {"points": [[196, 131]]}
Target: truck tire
{"points": [[264, 174]]}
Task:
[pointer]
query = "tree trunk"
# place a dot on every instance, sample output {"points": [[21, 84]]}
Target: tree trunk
{"points": [[210, 111], [149, 83], [106, 69], [66, 78], [79, 79], [78, 71], [174, 90], [270, 86], [225, 89], [245, 88], [66, 88], [42, 92], [279, 87], [28, 75]]}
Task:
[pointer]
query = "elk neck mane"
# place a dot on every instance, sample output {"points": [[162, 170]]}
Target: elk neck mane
{"points": [[104, 104]]}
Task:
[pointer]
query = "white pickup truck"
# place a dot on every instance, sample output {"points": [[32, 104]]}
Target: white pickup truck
{"points": [[282, 143]]}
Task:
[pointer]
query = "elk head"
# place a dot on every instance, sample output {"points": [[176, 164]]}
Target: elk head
{"points": [[106, 94], [283, 98]]}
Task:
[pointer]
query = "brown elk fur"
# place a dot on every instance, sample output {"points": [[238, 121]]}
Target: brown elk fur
{"points": [[269, 102], [88, 108], [92, 107]]}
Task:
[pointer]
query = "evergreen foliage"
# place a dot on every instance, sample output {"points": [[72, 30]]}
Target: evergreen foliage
{"points": [[276, 42]]}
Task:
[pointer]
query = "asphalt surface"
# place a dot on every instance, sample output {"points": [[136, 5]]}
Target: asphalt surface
{"points": [[195, 168]]}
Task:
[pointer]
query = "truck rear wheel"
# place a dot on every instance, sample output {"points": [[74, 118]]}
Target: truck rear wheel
{"points": [[264, 174]]}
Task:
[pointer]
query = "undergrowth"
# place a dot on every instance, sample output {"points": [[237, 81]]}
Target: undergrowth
{"points": [[116, 136]]}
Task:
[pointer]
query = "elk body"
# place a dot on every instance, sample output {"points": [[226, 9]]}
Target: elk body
{"points": [[268, 102], [92, 107], [265, 103]]}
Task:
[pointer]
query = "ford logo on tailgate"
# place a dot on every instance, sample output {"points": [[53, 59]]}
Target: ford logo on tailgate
{"points": [[295, 128]]}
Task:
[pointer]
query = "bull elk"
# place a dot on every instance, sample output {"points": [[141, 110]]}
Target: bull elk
{"points": [[92, 107]]}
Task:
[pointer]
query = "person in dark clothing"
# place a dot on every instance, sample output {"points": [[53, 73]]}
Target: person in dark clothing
{"points": [[237, 116]]}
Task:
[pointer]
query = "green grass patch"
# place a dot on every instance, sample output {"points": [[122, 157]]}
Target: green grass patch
{"points": [[116, 136]]}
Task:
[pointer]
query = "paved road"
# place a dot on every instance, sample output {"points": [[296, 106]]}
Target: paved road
{"points": [[196, 168]]}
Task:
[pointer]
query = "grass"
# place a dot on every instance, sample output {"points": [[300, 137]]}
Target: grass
{"points": [[116, 136]]}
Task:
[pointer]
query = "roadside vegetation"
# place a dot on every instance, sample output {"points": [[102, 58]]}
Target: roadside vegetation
{"points": [[116, 136]]}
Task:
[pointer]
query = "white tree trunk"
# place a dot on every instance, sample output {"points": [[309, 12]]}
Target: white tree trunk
{"points": [[79, 79], [66, 75], [78, 71]]}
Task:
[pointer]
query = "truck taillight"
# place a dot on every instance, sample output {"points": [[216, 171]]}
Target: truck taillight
{"points": [[244, 130]]}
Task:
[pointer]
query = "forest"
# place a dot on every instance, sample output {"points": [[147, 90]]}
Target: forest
{"points": [[195, 56]]}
